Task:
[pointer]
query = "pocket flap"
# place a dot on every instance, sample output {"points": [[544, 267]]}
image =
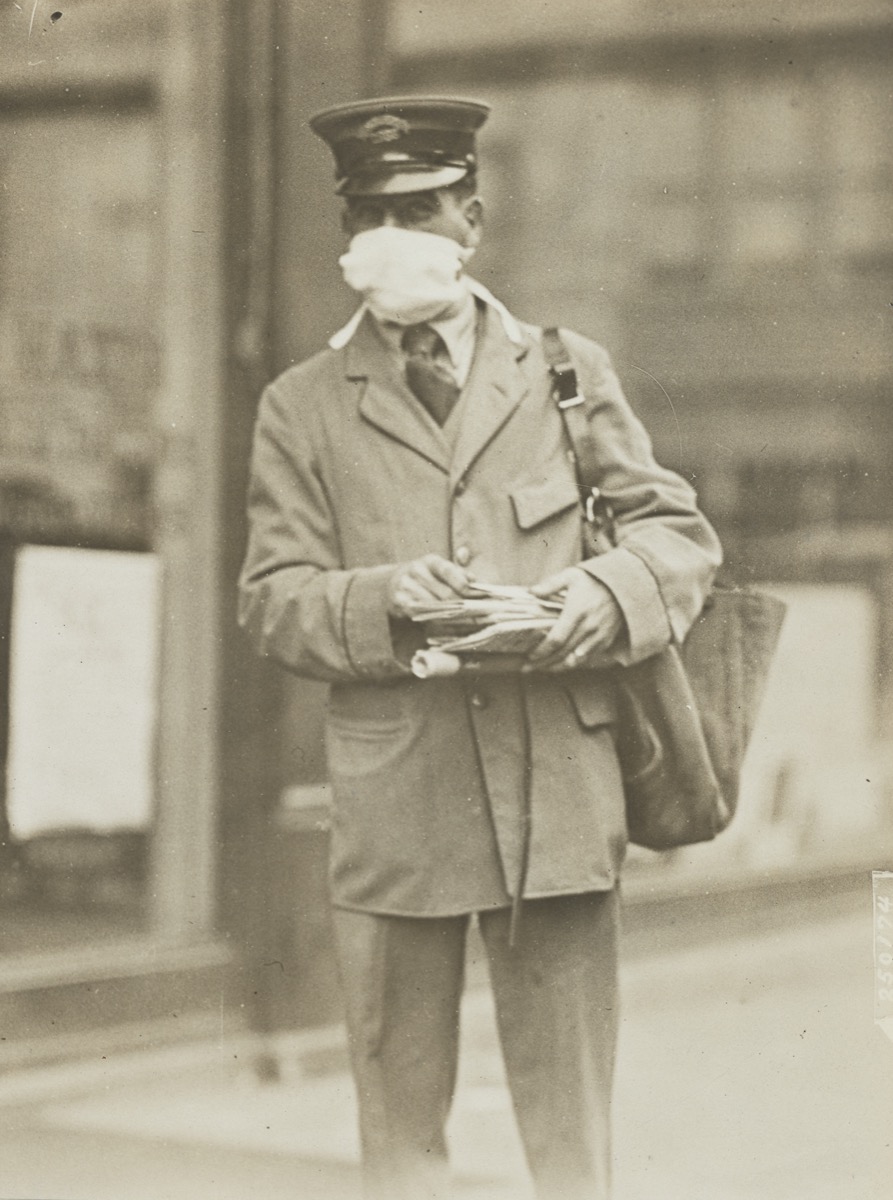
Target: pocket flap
{"points": [[594, 697], [372, 705], [536, 502]]}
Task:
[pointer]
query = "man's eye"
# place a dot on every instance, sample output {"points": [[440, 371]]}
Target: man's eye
{"points": [[368, 216], [419, 212]]}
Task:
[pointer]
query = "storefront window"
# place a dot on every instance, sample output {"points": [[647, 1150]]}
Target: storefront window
{"points": [[79, 583]]}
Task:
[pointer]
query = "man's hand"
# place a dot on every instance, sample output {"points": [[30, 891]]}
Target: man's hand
{"points": [[425, 579], [588, 626]]}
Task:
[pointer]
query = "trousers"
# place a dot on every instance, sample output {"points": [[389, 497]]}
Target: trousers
{"points": [[556, 999]]}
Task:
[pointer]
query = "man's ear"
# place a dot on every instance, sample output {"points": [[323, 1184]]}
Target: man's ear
{"points": [[473, 211]]}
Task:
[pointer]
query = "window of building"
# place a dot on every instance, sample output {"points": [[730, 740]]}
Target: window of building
{"points": [[79, 364], [860, 157], [670, 179], [766, 170]]}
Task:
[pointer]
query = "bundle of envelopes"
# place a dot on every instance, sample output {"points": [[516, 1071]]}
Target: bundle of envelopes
{"points": [[495, 627]]}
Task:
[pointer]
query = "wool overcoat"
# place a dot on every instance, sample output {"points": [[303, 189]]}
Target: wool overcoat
{"points": [[350, 479]]}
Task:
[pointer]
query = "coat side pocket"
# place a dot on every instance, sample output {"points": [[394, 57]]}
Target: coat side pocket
{"points": [[594, 697]]}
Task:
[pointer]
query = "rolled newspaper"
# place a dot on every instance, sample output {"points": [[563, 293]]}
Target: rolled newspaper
{"points": [[435, 664]]}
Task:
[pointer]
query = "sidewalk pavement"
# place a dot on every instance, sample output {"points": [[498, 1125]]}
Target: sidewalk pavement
{"points": [[749, 1069]]}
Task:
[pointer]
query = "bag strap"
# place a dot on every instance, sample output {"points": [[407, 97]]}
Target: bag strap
{"points": [[571, 405]]}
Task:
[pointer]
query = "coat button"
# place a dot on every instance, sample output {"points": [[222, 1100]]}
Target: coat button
{"points": [[479, 700], [463, 556], [460, 488]]}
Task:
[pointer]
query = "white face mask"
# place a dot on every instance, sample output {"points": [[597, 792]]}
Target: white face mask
{"points": [[407, 275]]}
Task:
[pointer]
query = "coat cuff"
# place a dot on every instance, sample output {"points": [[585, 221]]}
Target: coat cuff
{"points": [[635, 590], [367, 629]]}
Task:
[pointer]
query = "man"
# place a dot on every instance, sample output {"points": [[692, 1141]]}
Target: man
{"points": [[423, 450]]}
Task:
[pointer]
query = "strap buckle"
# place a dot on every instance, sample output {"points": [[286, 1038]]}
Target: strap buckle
{"points": [[565, 385]]}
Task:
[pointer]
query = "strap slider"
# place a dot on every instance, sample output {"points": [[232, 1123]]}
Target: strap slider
{"points": [[591, 507], [572, 401]]}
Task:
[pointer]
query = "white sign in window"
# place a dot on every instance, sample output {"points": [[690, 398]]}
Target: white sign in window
{"points": [[84, 650]]}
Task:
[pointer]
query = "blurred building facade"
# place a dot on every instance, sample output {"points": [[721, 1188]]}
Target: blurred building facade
{"points": [[708, 191]]}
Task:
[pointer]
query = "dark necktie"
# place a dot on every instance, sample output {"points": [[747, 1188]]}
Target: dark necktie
{"points": [[429, 371]]}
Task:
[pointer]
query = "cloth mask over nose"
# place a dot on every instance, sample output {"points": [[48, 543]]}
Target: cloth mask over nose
{"points": [[407, 275]]}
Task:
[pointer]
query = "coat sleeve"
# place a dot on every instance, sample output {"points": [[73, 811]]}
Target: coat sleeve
{"points": [[666, 552], [297, 603]]}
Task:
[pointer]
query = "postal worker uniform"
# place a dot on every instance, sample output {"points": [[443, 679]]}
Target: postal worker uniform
{"points": [[433, 779]]}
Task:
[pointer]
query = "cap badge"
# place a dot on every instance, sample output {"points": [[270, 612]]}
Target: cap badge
{"points": [[383, 128]]}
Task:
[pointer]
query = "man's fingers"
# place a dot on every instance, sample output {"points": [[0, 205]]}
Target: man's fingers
{"points": [[583, 654], [431, 583], [448, 573], [559, 640], [590, 643], [425, 580], [579, 651], [422, 589], [551, 586]]}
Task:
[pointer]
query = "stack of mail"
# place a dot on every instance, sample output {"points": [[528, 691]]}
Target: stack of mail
{"points": [[492, 620]]}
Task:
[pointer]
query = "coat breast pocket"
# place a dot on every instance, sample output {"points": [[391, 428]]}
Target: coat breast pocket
{"points": [[537, 501], [548, 527]]}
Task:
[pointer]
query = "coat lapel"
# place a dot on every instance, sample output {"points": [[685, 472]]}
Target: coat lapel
{"points": [[386, 401], [495, 388]]}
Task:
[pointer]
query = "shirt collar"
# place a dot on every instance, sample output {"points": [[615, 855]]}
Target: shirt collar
{"points": [[458, 331]]}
